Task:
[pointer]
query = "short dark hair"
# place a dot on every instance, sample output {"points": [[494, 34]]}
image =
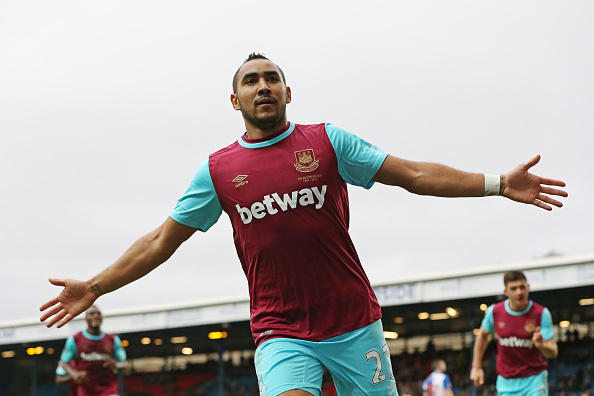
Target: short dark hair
{"points": [[93, 306], [512, 276], [251, 57]]}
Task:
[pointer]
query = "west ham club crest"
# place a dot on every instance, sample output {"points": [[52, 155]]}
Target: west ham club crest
{"points": [[306, 161]]}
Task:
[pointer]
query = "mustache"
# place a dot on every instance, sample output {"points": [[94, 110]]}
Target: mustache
{"points": [[265, 99]]}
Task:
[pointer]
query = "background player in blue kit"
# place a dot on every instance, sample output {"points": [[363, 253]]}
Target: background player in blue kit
{"points": [[284, 187], [438, 383]]}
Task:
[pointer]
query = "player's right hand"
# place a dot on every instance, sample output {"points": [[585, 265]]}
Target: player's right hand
{"points": [[537, 338], [75, 298], [478, 376]]}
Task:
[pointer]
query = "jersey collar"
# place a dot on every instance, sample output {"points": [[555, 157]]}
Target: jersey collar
{"points": [[93, 337], [258, 143], [517, 313]]}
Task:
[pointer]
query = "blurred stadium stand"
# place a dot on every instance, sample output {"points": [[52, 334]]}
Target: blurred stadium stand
{"points": [[434, 316]]}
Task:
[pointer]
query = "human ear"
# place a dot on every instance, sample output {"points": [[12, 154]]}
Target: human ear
{"points": [[235, 102]]}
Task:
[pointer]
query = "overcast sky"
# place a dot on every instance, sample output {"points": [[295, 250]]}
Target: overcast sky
{"points": [[107, 108]]}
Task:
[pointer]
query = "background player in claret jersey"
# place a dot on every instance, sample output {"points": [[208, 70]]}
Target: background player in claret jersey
{"points": [[91, 358], [284, 187], [438, 383], [525, 334]]}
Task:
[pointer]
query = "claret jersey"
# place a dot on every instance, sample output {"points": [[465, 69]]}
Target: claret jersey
{"points": [[517, 356], [286, 197], [89, 353]]}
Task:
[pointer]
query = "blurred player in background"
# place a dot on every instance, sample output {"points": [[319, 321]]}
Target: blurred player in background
{"points": [[438, 383], [525, 334], [97, 357], [284, 187]]}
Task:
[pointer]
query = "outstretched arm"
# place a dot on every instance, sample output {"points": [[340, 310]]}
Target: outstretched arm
{"points": [[142, 257], [425, 178]]}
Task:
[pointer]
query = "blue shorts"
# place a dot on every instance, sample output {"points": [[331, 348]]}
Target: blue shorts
{"points": [[534, 385], [359, 362]]}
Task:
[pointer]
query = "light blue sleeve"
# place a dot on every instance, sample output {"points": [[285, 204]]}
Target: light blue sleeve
{"points": [[69, 352], [488, 321], [546, 325], [358, 161], [118, 349], [199, 207], [60, 369]]}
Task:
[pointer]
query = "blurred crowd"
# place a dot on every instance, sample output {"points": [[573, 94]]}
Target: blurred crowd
{"points": [[570, 374]]}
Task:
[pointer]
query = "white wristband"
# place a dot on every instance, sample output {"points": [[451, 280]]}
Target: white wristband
{"points": [[492, 185]]}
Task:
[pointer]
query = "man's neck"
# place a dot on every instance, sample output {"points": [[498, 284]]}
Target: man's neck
{"points": [[254, 132], [94, 330], [518, 308]]}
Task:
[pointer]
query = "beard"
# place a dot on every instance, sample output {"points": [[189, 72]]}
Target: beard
{"points": [[266, 121]]}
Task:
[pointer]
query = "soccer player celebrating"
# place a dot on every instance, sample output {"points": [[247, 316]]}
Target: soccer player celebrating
{"points": [[525, 334], [284, 187]]}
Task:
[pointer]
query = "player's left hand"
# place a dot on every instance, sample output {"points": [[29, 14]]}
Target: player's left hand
{"points": [[110, 364], [537, 338], [522, 186]]}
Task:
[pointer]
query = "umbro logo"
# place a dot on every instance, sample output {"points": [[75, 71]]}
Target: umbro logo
{"points": [[240, 180]]}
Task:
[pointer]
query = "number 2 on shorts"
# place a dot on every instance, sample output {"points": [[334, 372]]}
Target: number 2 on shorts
{"points": [[378, 376]]}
